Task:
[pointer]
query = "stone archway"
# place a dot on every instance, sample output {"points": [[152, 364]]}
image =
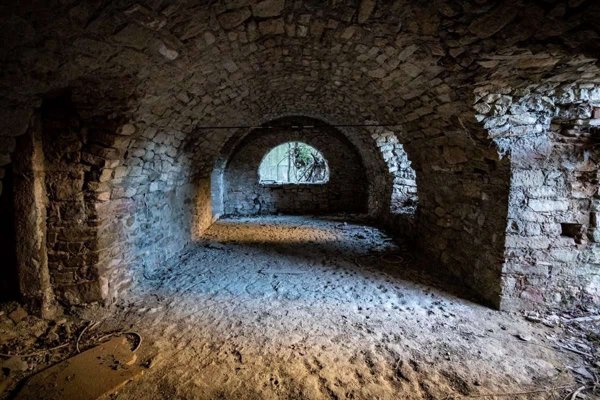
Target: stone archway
{"points": [[346, 190]]}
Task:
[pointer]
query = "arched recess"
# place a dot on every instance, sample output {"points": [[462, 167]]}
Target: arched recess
{"points": [[402, 197], [361, 143], [345, 191]]}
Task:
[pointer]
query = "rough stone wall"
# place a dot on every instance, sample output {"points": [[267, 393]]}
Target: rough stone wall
{"points": [[346, 190], [145, 203], [552, 135], [70, 219], [404, 193], [139, 234]]}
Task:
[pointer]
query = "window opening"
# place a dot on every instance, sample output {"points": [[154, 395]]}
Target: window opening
{"points": [[293, 163]]}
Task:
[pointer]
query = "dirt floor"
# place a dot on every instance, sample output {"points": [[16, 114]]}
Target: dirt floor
{"points": [[309, 308]]}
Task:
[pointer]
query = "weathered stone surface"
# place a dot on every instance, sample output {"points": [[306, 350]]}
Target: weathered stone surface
{"points": [[454, 155], [272, 27], [268, 8], [231, 19], [365, 9], [493, 21]]}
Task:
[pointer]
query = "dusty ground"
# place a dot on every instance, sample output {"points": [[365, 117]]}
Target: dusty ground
{"points": [[300, 308], [296, 308]]}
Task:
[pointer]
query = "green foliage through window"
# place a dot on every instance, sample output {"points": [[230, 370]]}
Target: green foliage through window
{"points": [[293, 162]]}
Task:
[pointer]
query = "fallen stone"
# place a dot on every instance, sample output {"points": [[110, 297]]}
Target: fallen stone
{"points": [[525, 338], [97, 372], [15, 364]]}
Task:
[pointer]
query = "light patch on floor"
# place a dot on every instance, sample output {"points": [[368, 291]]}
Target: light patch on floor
{"points": [[308, 308]]}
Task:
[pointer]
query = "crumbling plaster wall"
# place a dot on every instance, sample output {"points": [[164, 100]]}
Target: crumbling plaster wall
{"points": [[345, 191]]}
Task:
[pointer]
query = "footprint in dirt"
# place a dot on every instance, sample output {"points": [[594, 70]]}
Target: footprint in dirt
{"points": [[286, 291], [258, 289], [291, 294]]}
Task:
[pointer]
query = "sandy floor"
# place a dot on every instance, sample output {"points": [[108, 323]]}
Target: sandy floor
{"points": [[298, 308]]}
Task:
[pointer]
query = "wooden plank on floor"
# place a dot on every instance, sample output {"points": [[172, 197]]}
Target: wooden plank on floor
{"points": [[97, 372]]}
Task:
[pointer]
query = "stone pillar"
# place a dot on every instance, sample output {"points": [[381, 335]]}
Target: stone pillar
{"points": [[30, 202], [203, 213]]}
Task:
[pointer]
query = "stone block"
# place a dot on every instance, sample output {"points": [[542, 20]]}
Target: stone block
{"points": [[565, 255], [272, 27], [231, 19], [365, 9], [528, 178], [544, 205], [528, 242], [268, 8]]}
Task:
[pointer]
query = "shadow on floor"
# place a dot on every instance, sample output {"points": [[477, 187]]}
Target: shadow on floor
{"points": [[291, 245]]}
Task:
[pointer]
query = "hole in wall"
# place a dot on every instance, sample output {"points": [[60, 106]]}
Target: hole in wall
{"points": [[572, 230]]}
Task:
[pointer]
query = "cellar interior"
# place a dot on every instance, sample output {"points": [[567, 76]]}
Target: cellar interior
{"points": [[286, 199]]}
